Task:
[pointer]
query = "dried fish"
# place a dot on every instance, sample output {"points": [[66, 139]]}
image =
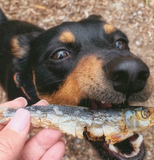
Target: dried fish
{"points": [[110, 124]]}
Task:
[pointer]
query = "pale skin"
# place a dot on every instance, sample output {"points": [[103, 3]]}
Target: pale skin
{"points": [[46, 145]]}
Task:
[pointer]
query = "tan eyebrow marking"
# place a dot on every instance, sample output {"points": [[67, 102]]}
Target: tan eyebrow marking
{"points": [[109, 28], [67, 37]]}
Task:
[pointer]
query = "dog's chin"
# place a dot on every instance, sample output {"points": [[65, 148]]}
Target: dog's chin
{"points": [[131, 148]]}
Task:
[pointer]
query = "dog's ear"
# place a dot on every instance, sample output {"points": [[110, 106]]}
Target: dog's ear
{"points": [[20, 47], [94, 17]]}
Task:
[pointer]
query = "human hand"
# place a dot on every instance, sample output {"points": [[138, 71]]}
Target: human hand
{"points": [[45, 145]]}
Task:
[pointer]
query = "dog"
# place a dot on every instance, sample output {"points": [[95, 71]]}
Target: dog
{"points": [[86, 63]]}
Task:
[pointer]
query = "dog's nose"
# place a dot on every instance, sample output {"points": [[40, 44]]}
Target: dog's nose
{"points": [[128, 74]]}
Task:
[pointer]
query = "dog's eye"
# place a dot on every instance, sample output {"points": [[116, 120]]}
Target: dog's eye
{"points": [[60, 55], [120, 45]]}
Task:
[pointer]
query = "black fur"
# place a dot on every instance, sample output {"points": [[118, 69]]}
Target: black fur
{"points": [[42, 63]]}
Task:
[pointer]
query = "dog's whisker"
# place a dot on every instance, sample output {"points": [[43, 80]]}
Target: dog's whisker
{"points": [[51, 77], [45, 84], [38, 87]]}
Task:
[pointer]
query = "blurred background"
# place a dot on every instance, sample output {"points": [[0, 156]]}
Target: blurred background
{"points": [[134, 17]]}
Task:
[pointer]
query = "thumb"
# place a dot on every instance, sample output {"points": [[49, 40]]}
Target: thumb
{"points": [[13, 136]]}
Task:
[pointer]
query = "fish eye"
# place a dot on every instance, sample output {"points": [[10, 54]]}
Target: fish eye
{"points": [[120, 44], [145, 113], [58, 55]]}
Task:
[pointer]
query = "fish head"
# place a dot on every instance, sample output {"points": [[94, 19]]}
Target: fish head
{"points": [[139, 118]]}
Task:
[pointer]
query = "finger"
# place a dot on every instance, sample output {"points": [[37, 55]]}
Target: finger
{"points": [[36, 147], [2, 126], [16, 103], [56, 152], [41, 103], [13, 136]]}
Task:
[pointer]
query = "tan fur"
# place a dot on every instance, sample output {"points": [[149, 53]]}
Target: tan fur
{"points": [[16, 50], [34, 79], [88, 80], [77, 84], [109, 28], [67, 37]]}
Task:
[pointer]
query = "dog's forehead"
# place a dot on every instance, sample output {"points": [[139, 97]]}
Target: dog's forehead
{"points": [[86, 32], [86, 35], [86, 29]]}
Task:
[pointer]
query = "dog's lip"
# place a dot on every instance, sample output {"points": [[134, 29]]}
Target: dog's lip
{"points": [[137, 143], [106, 152]]}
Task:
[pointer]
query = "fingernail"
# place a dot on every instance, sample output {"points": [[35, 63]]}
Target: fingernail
{"points": [[64, 140], [20, 120], [22, 99]]}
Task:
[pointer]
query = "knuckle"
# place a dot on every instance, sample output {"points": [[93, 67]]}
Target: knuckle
{"points": [[6, 145]]}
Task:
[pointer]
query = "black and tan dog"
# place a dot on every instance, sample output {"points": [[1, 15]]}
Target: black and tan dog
{"points": [[84, 63]]}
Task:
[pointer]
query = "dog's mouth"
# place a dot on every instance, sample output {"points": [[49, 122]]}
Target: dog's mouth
{"points": [[131, 148]]}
